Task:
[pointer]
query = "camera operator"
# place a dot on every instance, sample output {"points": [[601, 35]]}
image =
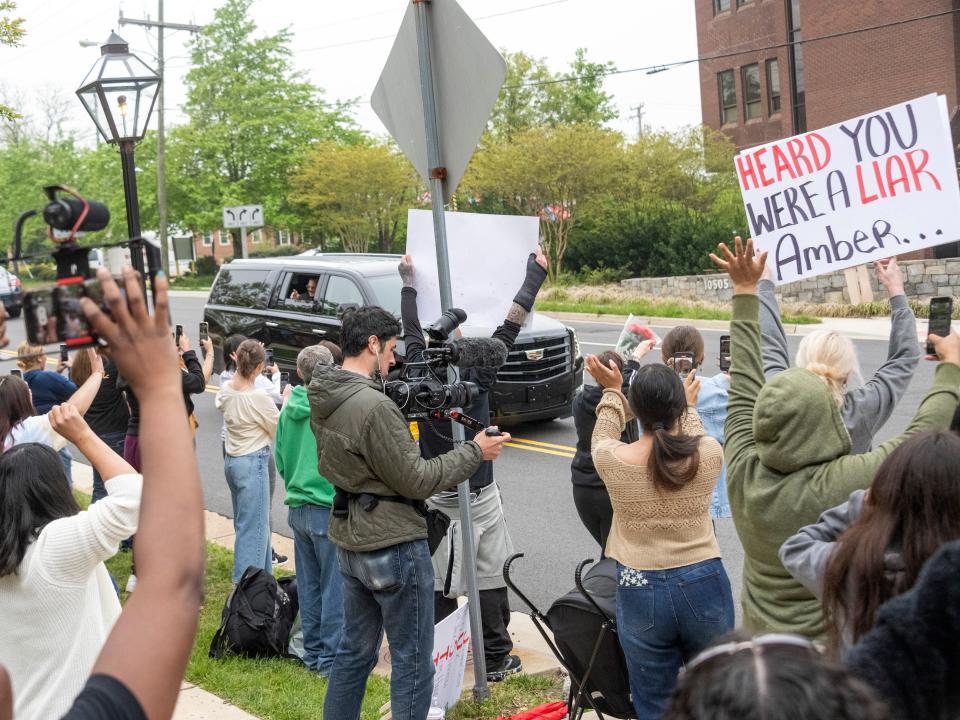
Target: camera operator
{"points": [[494, 545], [378, 521]]}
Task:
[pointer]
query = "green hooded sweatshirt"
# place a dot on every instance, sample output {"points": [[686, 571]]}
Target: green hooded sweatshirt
{"points": [[787, 455], [295, 451], [364, 446]]}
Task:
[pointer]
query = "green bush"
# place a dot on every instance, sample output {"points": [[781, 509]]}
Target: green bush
{"points": [[205, 265], [279, 251], [40, 271]]}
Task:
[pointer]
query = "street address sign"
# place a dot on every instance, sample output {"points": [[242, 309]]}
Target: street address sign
{"points": [[243, 216]]}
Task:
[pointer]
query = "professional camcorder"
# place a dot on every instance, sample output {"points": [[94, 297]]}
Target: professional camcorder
{"points": [[53, 314], [422, 391]]}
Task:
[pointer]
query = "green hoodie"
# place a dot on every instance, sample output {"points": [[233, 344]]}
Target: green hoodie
{"points": [[787, 455], [296, 454], [364, 446]]}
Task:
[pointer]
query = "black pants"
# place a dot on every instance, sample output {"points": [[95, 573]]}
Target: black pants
{"points": [[494, 616], [595, 511]]}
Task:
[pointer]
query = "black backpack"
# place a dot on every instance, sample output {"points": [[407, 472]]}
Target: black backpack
{"points": [[257, 616]]}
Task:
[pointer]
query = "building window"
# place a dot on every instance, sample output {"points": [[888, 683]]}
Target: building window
{"points": [[224, 237], [773, 86], [750, 86], [741, 3], [799, 94], [207, 239], [283, 237], [256, 237], [720, 6], [728, 97]]}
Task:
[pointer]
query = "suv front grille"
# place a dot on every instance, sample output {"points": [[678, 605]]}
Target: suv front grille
{"points": [[520, 367]]}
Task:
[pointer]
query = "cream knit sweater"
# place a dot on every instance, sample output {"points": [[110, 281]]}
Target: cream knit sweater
{"points": [[655, 529], [59, 607]]}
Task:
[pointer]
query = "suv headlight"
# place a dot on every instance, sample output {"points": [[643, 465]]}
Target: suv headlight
{"points": [[576, 343]]}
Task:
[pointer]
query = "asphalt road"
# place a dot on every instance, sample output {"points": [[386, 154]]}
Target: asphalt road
{"points": [[533, 474]]}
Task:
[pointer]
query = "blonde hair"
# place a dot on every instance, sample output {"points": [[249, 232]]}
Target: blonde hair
{"points": [[832, 357], [28, 356]]}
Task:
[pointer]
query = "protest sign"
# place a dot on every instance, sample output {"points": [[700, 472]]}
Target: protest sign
{"points": [[488, 255], [451, 639], [869, 188]]}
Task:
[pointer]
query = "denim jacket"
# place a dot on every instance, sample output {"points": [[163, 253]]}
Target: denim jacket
{"points": [[712, 407]]}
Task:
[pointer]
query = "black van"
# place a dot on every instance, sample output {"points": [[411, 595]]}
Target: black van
{"points": [[292, 302]]}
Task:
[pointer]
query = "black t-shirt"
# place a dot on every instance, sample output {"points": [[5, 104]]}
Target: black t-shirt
{"points": [[105, 698], [109, 412]]}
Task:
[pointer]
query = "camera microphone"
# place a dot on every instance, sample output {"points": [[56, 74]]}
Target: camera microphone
{"points": [[63, 213], [478, 352]]}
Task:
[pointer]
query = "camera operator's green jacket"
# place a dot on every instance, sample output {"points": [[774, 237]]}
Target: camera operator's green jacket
{"points": [[364, 445]]}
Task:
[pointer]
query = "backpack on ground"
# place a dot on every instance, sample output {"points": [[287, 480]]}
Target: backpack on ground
{"points": [[256, 618]]}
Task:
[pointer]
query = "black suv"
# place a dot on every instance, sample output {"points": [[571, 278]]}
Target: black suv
{"points": [[292, 302]]}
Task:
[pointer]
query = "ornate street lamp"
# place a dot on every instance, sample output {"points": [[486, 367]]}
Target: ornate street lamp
{"points": [[119, 93]]}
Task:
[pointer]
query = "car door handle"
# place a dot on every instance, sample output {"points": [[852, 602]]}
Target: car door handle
{"points": [[272, 324], [318, 331]]}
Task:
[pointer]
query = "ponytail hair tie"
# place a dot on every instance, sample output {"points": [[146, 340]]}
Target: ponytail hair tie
{"points": [[658, 426]]}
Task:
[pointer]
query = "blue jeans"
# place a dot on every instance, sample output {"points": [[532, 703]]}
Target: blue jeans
{"points": [[67, 460], [664, 618], [115, 442], [247, 476], [319, 586], [389, 589]]}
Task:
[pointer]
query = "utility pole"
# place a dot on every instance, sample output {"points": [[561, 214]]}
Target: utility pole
{"points": [[638, 114], [160, 25]]}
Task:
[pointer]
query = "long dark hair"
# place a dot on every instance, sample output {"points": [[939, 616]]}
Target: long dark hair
{"points": [[230, 347], [33, 492], [913, 507], [659, 402], [16, 405]]}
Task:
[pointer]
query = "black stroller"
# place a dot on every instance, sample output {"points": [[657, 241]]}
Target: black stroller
{"points": [[585, 640]]}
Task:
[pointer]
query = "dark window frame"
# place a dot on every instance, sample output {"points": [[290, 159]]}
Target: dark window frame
{"points": [[725, 109], [752, 108], [718, 6], [324, 306], [774, 98]]}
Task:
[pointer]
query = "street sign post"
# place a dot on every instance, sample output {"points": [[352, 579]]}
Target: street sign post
{"points": [[435, 96], [242, 217]]}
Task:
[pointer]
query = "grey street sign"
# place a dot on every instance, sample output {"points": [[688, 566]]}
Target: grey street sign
{"points": [[467, 75], [243, 216]]}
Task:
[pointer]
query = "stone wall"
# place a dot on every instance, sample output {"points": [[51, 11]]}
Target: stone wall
{"points": [[924, 279]]}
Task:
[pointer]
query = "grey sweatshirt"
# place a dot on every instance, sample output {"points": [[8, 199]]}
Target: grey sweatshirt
{"points": [[865, 408]]}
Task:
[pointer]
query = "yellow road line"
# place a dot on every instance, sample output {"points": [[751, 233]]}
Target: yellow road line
{"points": [[569, 456], [567, 448]]}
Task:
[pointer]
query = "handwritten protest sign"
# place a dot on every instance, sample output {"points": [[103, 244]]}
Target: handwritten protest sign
{"points": [[869, 188], [488, 255], [451, 639]]}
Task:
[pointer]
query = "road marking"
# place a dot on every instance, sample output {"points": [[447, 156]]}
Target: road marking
{"points": [[528, 448], [567, 448]]}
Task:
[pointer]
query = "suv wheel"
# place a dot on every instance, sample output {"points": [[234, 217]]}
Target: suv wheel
{"points": [[14, 312]]}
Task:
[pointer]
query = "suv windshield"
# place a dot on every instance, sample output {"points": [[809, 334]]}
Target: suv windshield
{"points": [[387, 288]]}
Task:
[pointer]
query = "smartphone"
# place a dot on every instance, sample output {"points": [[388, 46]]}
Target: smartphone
{"points": [[724, 353], [17, 373], [267, 361], [177, 335], [941, 310], [683, 364], [284, 380], [64, 353], [53, 314], [204, 333]]}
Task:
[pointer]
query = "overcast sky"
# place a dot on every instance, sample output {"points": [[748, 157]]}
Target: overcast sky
{"points": [[342, 46]]}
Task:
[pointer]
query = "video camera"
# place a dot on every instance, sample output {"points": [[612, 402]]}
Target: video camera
{"points": [[53, 314], [421, 390]]}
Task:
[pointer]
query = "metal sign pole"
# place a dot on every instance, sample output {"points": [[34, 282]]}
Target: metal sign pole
{"points": [[437, 178]]}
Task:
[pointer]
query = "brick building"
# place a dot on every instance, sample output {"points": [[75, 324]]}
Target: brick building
{"points": [[776, 68], [219, 244]]}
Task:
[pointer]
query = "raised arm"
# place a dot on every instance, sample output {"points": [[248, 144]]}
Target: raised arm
{"points": [[776, 354], [207, 346], [413, 340], [746, 371], [148, 648], [193, 380], [83, 398]]}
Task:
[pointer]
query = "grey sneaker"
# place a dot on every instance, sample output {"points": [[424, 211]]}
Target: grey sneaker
{"points": [[510, 665]]}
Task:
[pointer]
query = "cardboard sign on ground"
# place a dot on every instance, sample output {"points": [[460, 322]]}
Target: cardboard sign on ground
{"points": [[869, 188], [451, 639]]}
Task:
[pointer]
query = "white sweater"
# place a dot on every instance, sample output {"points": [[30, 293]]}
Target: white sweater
{"points": [[59, 607]]}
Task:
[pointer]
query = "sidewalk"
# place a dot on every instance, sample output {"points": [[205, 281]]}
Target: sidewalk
{"points": [[195, 703]]}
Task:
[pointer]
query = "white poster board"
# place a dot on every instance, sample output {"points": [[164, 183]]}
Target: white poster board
{"points": [[451, 639], [865, 189], [488, 262]]}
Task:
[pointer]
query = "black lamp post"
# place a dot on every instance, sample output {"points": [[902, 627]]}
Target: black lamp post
{"points": [[119, 93]]}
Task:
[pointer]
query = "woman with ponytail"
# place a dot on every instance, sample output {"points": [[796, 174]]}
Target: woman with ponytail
{"points": [[674, 596], [864, 407]]}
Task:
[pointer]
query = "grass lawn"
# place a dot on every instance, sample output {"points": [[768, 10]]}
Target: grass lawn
{"points": [[191, 282], [645, 308], [276, 689]]}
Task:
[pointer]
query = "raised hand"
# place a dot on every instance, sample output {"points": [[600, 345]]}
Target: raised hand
{"points": [[541, 258], [643, 348], [691, 387], [67, 422], [407, 273], [607, 376], [890, 276], [744, 267]]}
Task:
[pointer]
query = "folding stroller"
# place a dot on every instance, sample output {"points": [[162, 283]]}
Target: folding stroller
{"points": [[585, 640]]}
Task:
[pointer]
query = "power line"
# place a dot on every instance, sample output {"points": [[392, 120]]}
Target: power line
{"points": [[393, 35], [659, 67]]}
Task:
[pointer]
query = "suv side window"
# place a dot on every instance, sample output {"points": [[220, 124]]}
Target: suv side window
{"points": [[340, 291], [241, 288], [295, 292]]}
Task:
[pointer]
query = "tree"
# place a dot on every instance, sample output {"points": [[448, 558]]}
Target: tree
{"points": [[521, 100], [359, 193], [577, 97], [251, 118], [551, 173], [11, 32]]}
